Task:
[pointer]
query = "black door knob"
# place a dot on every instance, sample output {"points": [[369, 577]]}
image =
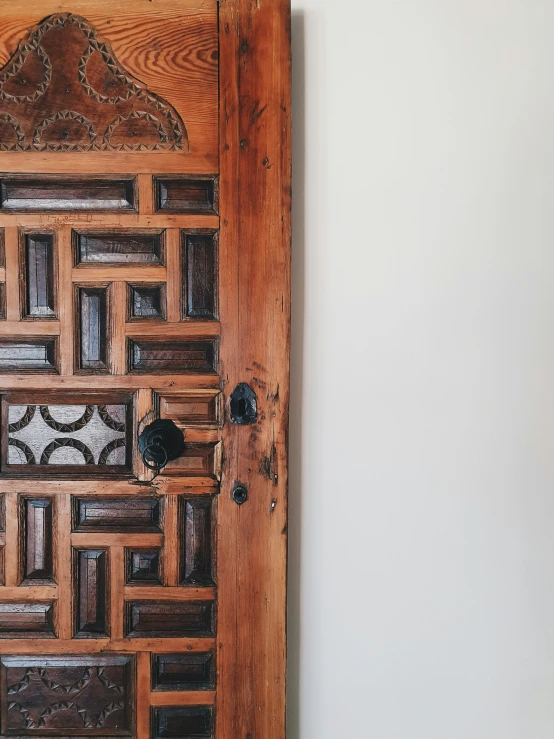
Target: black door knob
{"points": [[160, 442]]}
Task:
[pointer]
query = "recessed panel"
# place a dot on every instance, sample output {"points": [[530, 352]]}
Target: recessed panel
{"points": [[38, 540], [148, 355], [116, 515], [190, 407], [28, 355], [200, 275], [198, 545], [93, 327], [67, 695], [196, 460], [180, 722], [147, 302], [125, 248], [34, 194], [143, 566], [169, 618], [187, 195], [92, 604], [38, 287], [59, 436], [27, 620], [191, 671]]}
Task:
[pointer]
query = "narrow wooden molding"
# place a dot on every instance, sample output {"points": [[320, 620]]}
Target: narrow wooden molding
{"points": [[11, 245]]}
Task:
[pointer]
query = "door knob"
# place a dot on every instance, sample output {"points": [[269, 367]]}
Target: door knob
{"points": [[160, 442]]}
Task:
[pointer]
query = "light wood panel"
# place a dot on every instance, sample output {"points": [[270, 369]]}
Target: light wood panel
{"points": [[254, 86]]}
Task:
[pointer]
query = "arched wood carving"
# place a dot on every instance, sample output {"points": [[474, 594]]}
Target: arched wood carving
{"points": [[64, 90]]}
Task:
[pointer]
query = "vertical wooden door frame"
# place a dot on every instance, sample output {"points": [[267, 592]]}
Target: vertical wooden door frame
{"points": [[255, 197]]}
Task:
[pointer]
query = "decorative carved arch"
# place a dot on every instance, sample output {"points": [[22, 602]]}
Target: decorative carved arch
{"points": [[104, 108]]}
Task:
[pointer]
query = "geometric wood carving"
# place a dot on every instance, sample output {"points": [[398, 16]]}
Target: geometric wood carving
{"points": [[149, 355], [67, 696], [64, 90], [24, 194]]}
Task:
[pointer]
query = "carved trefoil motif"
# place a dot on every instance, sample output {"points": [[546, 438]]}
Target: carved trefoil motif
{"points": [[64, 90]]}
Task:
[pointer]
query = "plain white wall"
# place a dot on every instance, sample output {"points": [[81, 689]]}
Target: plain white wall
{"points": [[422, 424]]}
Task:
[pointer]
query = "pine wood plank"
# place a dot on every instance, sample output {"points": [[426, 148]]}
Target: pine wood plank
{"points": [[143, 695], [174, 698], [94, 646], [29, 328], [11, 246], [11, 549], [117, 570], [254, 151], [128, 382], [135, 592], [174, 275], [63, 565], [66, 301], [28, 593], [172, 541], [117, 542], [92, 220]]}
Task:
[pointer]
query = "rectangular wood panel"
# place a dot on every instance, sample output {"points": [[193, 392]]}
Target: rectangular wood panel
{"points": [[169, 618], [146, 302], [190, 408], [38, 288], [187, 195], [67, 695], [35, 194], [200, 274], [93, 323], [198, 540], [193, 671], [92, 596], [143, 566], [38, 558], [127, 247], [116, 515], [149, 355], [27, 620], [28, 354], [177, 722]]}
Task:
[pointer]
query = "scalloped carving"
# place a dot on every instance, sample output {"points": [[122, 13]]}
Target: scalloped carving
{"points": [[64, 90]]}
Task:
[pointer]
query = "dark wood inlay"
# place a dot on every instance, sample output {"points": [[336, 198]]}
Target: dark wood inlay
{"points": [[28, 355], [143, 566], [147, 302], [149, 355], [27, 621], [93, 328], [187, 195], [92, 604], [183, 722], [118, 515], [169, 618], [38, 540], [200, 274], [124, 248], [38, 291], [194, 671], [34, 194], [198, 543]]}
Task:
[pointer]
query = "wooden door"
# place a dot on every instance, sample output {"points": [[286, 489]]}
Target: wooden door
{"points": [[144, 226]]}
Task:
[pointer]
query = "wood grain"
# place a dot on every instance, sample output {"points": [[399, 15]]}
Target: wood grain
{"points": [[63, 565], [254, 151]]}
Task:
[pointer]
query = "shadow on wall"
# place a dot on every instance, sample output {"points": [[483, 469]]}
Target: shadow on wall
{"points": [[297, 342]]}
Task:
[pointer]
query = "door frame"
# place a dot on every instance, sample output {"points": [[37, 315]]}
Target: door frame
{"points": [[255, 239]]}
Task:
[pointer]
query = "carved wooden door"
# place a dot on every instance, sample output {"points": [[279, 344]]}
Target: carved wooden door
{"points": [[144, 226]]}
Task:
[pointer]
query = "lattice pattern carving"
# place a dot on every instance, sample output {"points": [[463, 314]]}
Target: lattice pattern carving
{"points": [[63, 60], [67, 435]]}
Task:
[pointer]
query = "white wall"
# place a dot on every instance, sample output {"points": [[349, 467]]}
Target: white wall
{"points": [[422, 440]]}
